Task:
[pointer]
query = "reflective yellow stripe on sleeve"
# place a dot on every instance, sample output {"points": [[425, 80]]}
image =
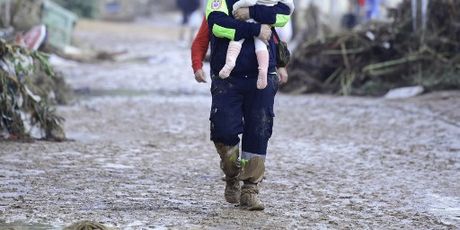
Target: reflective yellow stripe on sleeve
{"points": [[222, 32], [216, 6], [281, 20]]}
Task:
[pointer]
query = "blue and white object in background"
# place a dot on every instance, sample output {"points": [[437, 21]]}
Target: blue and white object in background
{"points": [[373, 9]]}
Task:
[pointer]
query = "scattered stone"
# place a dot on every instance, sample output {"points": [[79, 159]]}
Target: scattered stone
{"points": [[404, 92]]}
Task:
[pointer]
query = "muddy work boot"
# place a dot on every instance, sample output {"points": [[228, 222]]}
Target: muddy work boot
{"points": [[252, 173], [252, 170], [250, 198], [232, 191], [230, 165]]}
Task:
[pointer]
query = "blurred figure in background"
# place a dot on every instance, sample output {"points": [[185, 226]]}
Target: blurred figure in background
{"points": [[360, 9], [187, 8], [350, 19]]}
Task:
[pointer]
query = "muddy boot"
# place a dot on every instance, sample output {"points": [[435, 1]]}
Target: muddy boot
{"points": [[252, 173], [232, 190], [252, 170], [250, 197], [230, 165]]}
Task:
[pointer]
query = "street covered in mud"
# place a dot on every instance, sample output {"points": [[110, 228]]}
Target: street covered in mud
{"points": [[139, 154]]}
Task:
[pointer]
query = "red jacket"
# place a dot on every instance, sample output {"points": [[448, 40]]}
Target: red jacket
{"points": [[200, 46]]}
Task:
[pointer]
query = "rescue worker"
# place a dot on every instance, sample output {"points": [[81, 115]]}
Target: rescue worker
{"points": [[238, 107]]}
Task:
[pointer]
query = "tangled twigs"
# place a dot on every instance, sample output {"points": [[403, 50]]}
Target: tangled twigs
{"points": [[379, 56], [24, 105], [87, 225]]}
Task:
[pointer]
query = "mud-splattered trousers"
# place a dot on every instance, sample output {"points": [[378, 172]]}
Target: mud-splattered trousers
{"points": [[238, 107]]}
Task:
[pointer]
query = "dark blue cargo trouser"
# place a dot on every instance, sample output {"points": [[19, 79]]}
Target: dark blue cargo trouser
{"points": [[238, 107]]}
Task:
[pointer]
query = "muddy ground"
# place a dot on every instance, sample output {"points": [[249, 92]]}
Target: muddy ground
{"points": [[141, 156]]}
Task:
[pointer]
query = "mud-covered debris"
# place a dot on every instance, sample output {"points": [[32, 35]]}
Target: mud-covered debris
{"points": [[55, 87], [380, 56], [25, 102], [87, 225]]}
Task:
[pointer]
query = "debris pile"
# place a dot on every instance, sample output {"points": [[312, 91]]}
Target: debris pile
{"points": [[379, 56], [28, 85], [87, 225], [25, 99]]}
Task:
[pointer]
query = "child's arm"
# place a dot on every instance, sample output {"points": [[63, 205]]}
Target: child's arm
{"points": [[243, 4], [277, 15], [222, 25]]}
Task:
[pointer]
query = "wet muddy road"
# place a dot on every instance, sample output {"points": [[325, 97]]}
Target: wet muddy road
{"points": [[142, 157]]}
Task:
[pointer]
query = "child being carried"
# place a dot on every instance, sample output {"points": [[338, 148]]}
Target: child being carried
{"points": [[262, 54]]}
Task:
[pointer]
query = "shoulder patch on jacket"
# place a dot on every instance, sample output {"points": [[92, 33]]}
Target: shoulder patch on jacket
{"points": [[216, 5]]}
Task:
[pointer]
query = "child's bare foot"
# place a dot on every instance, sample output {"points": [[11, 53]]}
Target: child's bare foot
{"points": [[225, 72], [233, 51], [263, 59], [262, 80]]}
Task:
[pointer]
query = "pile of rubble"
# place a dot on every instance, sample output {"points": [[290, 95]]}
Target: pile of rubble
{"points": [[29, 88], [377, 57], [27, 94]]}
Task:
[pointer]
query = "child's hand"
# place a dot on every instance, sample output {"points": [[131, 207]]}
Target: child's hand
{"points": [[200, 76], [283, 75], [242, 14]]}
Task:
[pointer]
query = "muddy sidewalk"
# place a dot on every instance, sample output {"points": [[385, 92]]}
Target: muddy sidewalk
{"points": [[142, 158]]}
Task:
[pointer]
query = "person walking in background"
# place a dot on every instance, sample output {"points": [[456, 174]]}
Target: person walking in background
{"points": [[187, 8], [361, 10]]}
